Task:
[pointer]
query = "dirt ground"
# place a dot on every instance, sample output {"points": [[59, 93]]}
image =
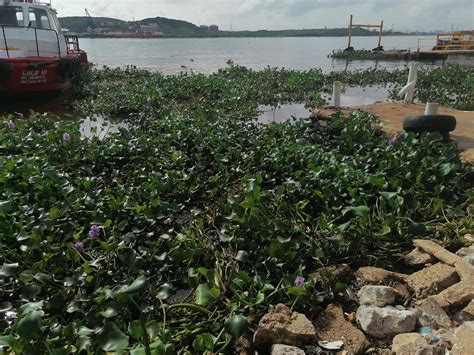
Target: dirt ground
{"points": [[393, 114]]}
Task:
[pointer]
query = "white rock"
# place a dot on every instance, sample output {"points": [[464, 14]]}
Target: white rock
{"points": [[384, 322], [282, 349], [377, 296], [414, 344], [467, 251], [469, 259]]}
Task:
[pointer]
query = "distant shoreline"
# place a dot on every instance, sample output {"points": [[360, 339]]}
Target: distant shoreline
{"points": [[243, 36]]}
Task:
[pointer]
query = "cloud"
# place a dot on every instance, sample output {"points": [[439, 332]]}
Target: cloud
{"points": [[281, 14]]}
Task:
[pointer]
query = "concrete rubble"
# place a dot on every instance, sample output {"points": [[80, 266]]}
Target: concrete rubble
{"points": [[282, 326], [332, 326], [282, 349], [384, 322], [418, 258], [413, 344], [427, 312], [377, 296]]}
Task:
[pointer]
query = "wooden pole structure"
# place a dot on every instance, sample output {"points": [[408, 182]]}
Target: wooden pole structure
{"points": [[380, 34], [352, 25], [350, 32]]}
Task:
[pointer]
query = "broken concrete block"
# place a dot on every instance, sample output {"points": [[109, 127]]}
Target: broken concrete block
{"points": [[282, 326], [377, 296], [385, 322], [418, 258], [377, 276], [464, 339], [281, 349], [432, 315], [437, 251], [432, 280]]}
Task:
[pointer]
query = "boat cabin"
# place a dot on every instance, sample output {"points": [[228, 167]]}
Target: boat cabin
{"points": [[30, 28]]}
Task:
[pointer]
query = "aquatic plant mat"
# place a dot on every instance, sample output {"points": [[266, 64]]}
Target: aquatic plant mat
{"points": [[177, 234]]}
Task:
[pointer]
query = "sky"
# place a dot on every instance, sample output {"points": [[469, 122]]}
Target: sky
{"points": [[422, 15]]}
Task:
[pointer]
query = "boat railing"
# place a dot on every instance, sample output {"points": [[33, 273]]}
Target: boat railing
{"points": [[457, 41], [4, 29], [72, 42], [35, 2]]}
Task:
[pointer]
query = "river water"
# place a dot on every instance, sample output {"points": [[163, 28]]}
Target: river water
{"points": [[207, 55]]}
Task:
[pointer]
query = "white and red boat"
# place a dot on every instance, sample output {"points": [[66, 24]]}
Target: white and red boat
{"points": [[35, 54]]}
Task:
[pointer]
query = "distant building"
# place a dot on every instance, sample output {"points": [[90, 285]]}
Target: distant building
{"points": [[213, 28], [149, 26], [204, 28]]}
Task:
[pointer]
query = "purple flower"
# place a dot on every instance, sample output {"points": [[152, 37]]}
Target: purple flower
{"points": [[66, 137], [94, 232], [392, 141], [131, 145], [79, 246], [11, 124], [299, 281]]}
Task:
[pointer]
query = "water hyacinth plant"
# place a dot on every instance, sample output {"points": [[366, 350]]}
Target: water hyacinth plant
{"points": [[182, 243]]}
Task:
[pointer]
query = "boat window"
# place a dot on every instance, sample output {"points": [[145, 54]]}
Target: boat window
{"points": [[11, 16], [39, 19]]}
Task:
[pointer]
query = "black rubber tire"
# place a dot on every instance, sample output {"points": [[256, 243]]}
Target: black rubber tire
{"points": [[430, 123], [5, 71]]}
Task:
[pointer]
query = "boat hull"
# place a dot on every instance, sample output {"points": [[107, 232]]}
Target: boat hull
{"points": [[30, 75]]}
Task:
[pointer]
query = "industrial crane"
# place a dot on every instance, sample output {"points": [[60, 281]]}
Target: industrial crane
{"points": [[91, 27]]}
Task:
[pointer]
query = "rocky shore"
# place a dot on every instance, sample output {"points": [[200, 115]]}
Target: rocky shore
{"points": [[429, 311]]}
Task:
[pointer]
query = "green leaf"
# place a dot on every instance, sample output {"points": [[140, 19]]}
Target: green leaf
{"points": [[111, 338], [204, 296], [388, 195], [236, 325], [10, 341], [242, 255], [135, 329], [127, 256], [165, 291], [140, 350], [9, 269], [296, 291], [31, 306], [136, 287], [109, 312], [360, 211], [29, 326], [55, 213], [6, 207], [161, 348], [417, 229], [204, 342]]}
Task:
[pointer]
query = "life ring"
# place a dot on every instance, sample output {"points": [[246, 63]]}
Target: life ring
{"points": [[5, 71]]}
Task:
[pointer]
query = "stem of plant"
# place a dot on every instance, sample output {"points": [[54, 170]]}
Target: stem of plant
{"points": [[146, 339]]}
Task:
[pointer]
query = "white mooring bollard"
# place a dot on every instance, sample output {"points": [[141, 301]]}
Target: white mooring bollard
{"points": [[409, 89], [336, 94], [431, 108]]}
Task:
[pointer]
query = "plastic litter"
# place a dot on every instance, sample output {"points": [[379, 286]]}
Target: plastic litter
{"points": [[331, 345], [428, 332]]}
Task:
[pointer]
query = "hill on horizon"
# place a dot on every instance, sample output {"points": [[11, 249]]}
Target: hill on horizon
{"points": [[182, 29]]}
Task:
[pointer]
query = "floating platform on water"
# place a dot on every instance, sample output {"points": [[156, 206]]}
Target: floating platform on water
{"points": [[446, 45], [396, 54]]}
